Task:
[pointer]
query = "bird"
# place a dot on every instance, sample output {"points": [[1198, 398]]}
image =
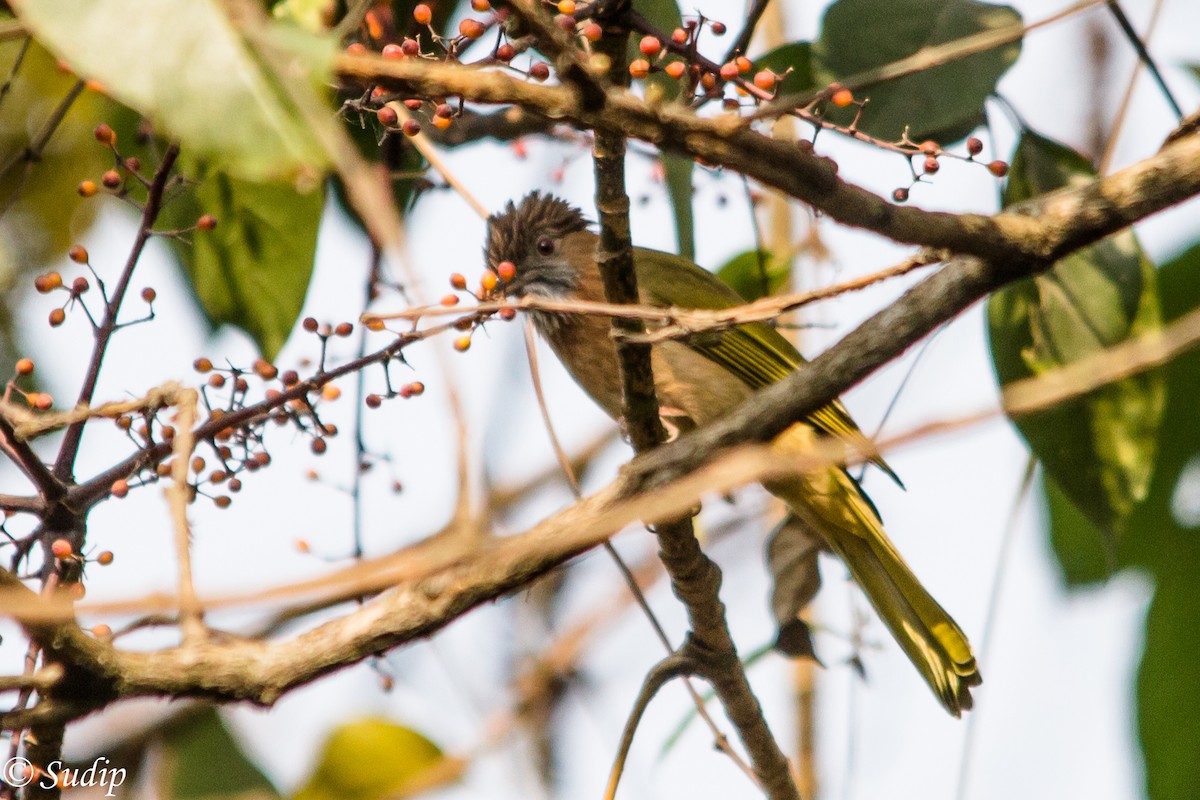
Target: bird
{"points": [[698, 379]]}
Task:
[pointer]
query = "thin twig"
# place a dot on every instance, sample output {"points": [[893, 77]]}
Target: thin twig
{"points": [[191, 619], [64, 465], [1110, 146]]}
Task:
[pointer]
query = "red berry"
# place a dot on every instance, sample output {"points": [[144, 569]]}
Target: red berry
{"points": [[392, 50], [506, 270], [931, 165], [930, 148], [718, 28], [592, 32], [505, 52], [387, 117], [42, 401], [80, 285], [900, 195], [539, 71], [61, 548], [111, 179], [202, 365], [149, 295], [423, 14], [319, 446], [998, 168], [356, 49], [105, 134], [639, 68], [650, 46], [57, 317], [207, 222], [679, 36], [119, 488], [343, 329], [373, 401], [410, 127], [729, 71], [309, 324], [410, 47], [974, 146]]}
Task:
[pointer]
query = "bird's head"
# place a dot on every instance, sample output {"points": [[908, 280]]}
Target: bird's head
{"points": [[536, 237]]}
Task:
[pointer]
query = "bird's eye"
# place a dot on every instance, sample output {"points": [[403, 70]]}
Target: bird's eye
{"points": [[545, 246]]}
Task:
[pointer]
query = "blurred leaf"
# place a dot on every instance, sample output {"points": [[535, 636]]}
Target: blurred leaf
{"points": [[253, 270], [678, 172], [795, 59], [1098, 449], [1084, 554], [47, 214], [792, 561], [202, 760], [187, 67], [374, 758], [1163, 537], [943, 103], [755, 273], [1195, 69], [311, 15]]}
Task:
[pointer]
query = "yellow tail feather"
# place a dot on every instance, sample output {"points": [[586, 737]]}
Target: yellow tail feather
{"points": [[831, 503]]}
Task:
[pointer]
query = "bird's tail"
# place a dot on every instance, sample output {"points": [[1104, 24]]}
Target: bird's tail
{"points": [[831, 502]]}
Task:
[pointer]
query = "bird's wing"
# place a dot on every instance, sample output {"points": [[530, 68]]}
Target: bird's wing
{"points": [[755, 352]]}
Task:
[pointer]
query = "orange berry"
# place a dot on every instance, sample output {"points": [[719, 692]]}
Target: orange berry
{"points": [[302, 546], [729, 71], [744, 64], [506, 271], [57, 317], [48, 282], [119, 488], [265, 369], [343, 329], [639, 68], [462, 343], [842, 98], [24, 366], [650, 46], [100, 631], [709, 81], [206, 222], [104, 558], [202, 365], [87, 188], [481, 6], [423, 14], [356, 49], [43, 402], [488, 281], [450, 300], [929, 147], [319, 446], [508, 312], [679, 36], [506, 52], [222, 501], [592, 32], [566, 7], [149, 295], [471, 28], [765, 79], [458, 281], [374, 324], [61, 548], [416, 388], [998, 168], [675, 69], [442, 123], [330, 392]]}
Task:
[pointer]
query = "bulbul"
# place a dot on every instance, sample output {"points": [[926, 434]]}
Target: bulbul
{"points": [[701, 378]]}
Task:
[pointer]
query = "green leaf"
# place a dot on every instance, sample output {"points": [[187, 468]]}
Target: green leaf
{"points": [[202, 760], [190, 69], [1163, 537], [1098, 449], [253, 270], [755, 273], [372, 759], [678, 172], [795, 62], [1085, 555], [943, 103]]}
